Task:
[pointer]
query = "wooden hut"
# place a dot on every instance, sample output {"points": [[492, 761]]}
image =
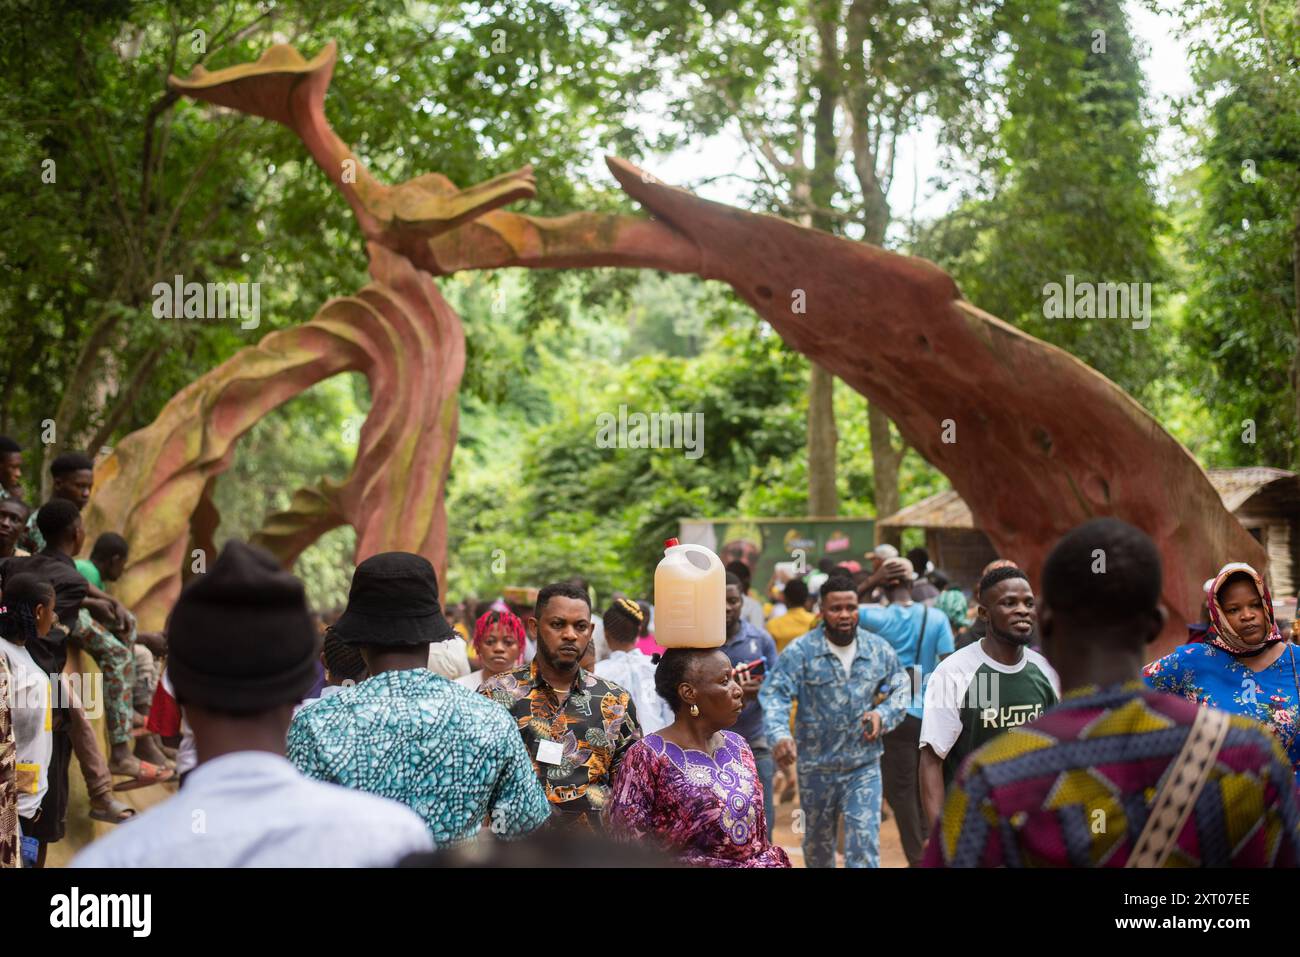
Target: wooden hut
{"points": [[956, 546], [1265, 500]]}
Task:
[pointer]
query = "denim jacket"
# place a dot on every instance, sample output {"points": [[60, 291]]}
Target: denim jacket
{"points": [[828, 726]]}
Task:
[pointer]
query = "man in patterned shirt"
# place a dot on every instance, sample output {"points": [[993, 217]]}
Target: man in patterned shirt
{"points": [[411, 735], [851, 690], [575, 725], [1077, 786]]}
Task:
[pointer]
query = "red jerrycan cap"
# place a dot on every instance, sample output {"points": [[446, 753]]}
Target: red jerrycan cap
{"points": [[669, 543]]}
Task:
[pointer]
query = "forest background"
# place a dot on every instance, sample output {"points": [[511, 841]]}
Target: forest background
{"points": [[1014, 142]]}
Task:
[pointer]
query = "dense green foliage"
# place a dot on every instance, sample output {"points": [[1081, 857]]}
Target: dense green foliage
{"points": [[1243, 244], [147, 186], [1069, 188], [533, 495]]}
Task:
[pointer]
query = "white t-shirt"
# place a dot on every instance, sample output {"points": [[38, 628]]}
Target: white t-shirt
{"points": [[845, 653], [471, 681], [449, 658], [29, 689], [968, 698]]}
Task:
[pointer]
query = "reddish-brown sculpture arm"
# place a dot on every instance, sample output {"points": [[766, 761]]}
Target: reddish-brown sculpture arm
{"points": [[576, 241], [1033, 439], [312, 512], [439, 227], [402, 334], [282, 86]]}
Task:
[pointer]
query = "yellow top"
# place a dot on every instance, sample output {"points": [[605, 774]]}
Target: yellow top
{"points": [[786, 628]]}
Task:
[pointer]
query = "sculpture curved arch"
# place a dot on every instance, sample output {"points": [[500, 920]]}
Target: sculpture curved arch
{"points": [[1042, 440], [401, 334]]}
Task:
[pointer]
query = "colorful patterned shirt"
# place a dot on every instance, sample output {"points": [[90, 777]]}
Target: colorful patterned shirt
{"points": [[8, 774], [828, 728], [706, 811], [593, 727], [1210, 676], [417, 738], [1075, 787]]}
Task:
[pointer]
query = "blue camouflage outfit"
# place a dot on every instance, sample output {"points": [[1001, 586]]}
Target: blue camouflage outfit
{"points": [[839, 771]]}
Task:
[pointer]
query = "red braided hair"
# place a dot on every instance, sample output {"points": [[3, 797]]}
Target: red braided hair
{"points": [[507, 619]]}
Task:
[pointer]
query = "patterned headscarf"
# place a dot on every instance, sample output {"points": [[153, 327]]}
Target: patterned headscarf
{"points": [[1221, 634], [507, 619]]}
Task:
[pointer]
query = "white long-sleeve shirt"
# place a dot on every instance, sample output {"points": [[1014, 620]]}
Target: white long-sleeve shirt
{"points": [[255, 809]]}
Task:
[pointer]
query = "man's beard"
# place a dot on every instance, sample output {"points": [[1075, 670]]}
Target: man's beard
{"points": [[1012, 638], [555, 662], [844, 635]]}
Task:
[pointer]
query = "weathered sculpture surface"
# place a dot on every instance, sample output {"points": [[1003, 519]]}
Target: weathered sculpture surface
{"points": [[1032, 438]]}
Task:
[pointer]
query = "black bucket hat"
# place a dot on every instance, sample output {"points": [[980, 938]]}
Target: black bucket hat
{"points": [[393, 602]]}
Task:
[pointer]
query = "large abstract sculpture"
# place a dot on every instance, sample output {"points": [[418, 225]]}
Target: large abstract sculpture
{"points": [[1032, 438]]}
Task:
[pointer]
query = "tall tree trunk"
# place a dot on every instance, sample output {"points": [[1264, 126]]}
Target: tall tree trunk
{"points": [[885, 463], [1295, 319], [885, 460], [823, 438]]}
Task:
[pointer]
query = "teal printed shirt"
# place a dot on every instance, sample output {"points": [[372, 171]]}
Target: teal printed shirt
{"points": [[450, 755], [828, 726]]}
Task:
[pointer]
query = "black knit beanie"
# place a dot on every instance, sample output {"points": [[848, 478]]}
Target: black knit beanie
{"points": [[240, 637]]}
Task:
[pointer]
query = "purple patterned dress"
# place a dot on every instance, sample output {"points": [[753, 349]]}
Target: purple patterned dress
{"points": [[707, 812]]}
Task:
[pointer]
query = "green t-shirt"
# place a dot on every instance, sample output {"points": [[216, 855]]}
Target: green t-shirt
{"points": [[90, 573], [971, 699]]}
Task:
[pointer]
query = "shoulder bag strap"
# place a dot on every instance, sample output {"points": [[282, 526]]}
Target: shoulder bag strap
{"points": [[1182, 785], [914, 674]]}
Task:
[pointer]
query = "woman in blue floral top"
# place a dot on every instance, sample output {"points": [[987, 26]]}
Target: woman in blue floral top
{"points": [[1244, 667]]}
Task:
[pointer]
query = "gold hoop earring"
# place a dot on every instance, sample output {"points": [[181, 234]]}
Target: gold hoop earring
{"points": [[695, 711]]}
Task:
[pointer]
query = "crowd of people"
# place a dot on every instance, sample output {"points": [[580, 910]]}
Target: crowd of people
{"points": [[1001, 728]]}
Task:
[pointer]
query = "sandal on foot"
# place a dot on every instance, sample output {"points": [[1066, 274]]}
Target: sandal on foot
{"points": [[150, 774], [115, 813]]}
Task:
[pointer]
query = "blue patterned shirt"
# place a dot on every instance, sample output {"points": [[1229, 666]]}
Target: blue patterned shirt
{"points": [[828, 727], [1213, 678], [453, 757]]}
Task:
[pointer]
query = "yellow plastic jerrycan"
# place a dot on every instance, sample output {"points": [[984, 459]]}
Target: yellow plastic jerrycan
{"points": [[690, 597]]}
